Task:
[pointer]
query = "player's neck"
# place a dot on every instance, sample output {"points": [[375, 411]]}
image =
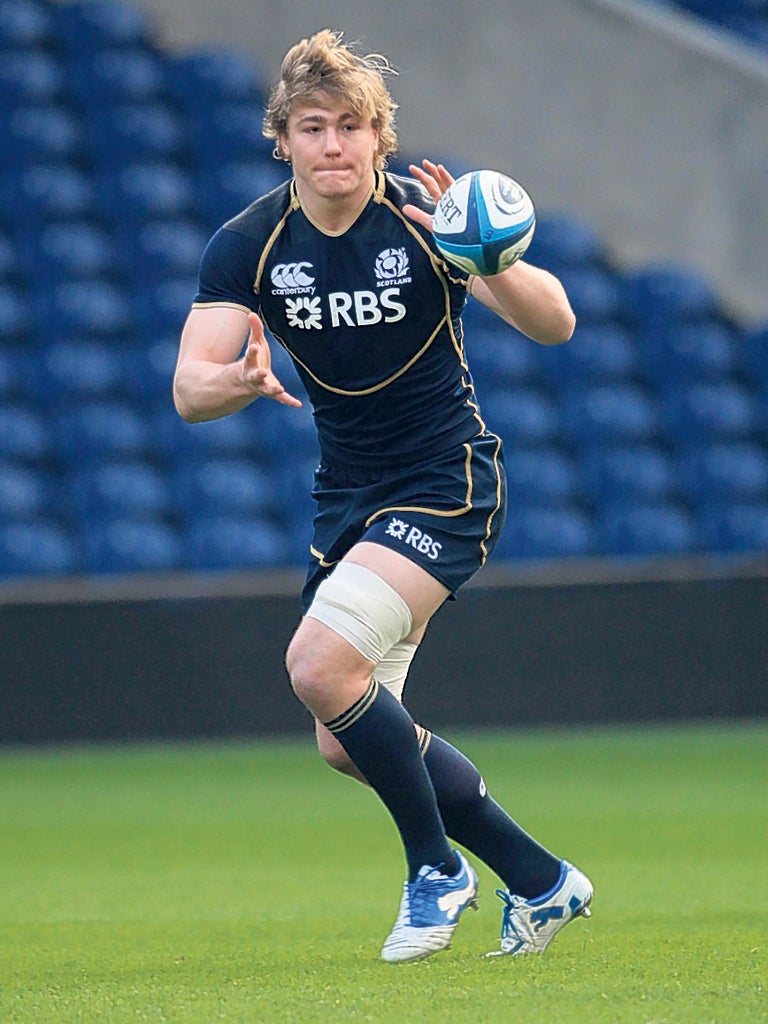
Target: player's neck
{"points": [[335, 214]]}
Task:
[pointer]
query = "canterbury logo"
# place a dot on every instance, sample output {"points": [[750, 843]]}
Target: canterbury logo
{"points": [[289, 277]]}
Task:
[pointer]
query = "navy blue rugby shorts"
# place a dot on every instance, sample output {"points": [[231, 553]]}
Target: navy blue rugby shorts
{"points": [[445, 514]]}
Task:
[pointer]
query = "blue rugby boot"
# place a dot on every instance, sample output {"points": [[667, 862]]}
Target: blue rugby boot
{"points": [[429, 912], [528, 926]]}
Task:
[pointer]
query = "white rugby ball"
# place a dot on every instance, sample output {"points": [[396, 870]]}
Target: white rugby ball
{"points": [[484, 222]]}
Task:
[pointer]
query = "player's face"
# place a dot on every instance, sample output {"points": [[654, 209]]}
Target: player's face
{"points": [[332, 149]]}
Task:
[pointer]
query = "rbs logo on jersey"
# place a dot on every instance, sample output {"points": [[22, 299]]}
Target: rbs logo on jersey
{"points": [[415, 537], [361, 308]]}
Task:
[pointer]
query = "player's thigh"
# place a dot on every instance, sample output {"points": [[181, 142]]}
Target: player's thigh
{"points": [[421, 592]]}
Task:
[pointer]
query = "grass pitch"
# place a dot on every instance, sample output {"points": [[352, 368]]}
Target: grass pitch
{"points": [[249, 884]]}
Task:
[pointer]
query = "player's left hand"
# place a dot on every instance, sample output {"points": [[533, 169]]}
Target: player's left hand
{"points": [[435, 178]]}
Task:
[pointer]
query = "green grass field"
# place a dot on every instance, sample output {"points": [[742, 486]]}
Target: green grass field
{"points": [[248, 883]]}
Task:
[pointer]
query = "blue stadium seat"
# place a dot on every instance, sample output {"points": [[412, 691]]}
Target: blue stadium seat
{"points": [[541, 475], [25, 492], [29, 77], [751, 27], [39, 133], [101, 429], [736, 527], [226, 189], [24, 433], [26, 24], [162, 306], [522, 416], [293, 479], [95, 308], [704, 351], [235, 543], [115, 487], [149, 372], [37, 548], [595, 294], [498, 358], [75, 369], [145, 191], [548, 531], [9, 267], [14, 312], [209, 78], [131, 132], [168, 248], [83, 25], [597, 354], [229, 133], [130, 545], [115, 76], [712, 410], [617, 413], [232, 436], [563, 240], [70, 249], [225, 486], [286, 432], [646, 529], [754, 345], [12, 365], [725, 472], [643, 472], [660, 294], [43, 192]]}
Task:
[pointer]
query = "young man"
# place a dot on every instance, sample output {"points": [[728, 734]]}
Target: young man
{"points": [[340, 264]]}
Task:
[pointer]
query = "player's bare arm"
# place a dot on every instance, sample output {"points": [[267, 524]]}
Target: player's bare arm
{"points": [[212, 378], [527, 297]]}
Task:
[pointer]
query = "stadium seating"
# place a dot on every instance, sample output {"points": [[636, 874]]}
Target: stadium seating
{"points": [[131, 544], [646, 436], [547, 531], [745, 21], [37, 548]]}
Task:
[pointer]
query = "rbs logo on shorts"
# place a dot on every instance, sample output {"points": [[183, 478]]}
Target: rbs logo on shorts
{"points": [[415, 537]]}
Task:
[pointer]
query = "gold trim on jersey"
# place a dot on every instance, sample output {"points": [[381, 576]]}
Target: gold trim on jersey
{"points": [[442, 513], [327, 231], [292, 205], [221, 305], [374, 387], [379, 197], [498, 499], [439, 512], [439, 266]]}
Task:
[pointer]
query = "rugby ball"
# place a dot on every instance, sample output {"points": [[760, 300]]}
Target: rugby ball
{"points": [[484, 222]]}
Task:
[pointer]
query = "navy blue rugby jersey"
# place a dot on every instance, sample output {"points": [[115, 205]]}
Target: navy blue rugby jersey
{"points": [[370, 318]]}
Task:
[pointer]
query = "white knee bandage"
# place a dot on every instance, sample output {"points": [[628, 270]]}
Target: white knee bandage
{"points": [[360, 606], [393, 668]]}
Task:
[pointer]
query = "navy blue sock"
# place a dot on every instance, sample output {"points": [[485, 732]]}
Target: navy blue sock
{"points": [[476, 821], [378, 734]]}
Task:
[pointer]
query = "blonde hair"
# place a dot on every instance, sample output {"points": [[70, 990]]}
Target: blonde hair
{"points": [[323, 64]]}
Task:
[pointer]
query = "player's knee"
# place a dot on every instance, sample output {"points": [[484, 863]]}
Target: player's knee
{"points": [[309, 674]]}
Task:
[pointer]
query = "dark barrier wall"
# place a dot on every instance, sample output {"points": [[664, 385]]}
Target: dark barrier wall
{"points": [[502, 656]]}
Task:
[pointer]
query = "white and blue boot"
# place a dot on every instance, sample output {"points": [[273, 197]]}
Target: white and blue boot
{"points": [[429, 912], [528, 926]]}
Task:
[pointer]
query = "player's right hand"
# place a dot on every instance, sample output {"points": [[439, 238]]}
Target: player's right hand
{"points": [[435, 178], [257, 366]]}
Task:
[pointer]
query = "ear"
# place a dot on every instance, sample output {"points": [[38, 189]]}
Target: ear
{"points": [[285, 149]]}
